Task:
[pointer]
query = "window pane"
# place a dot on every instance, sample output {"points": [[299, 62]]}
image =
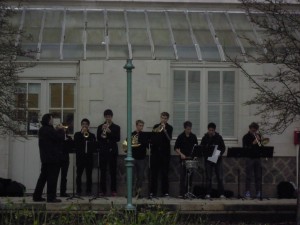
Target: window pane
{"points": [[194, 86], [213, 86], [56, 114], [68, 120], [68, 95], [214, 115], [179, 117], [194, 117], [33, 122], [228, 86], [21, 96], [55, 95], [228, 121], [179, 85], [34, 91]]}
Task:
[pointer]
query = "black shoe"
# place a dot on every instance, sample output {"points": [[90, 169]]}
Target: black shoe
{"points": [[39, 199], [55, 200], [65, 195]]}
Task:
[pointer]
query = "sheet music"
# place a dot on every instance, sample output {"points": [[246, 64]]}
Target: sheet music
{"points": [[215, 155]]}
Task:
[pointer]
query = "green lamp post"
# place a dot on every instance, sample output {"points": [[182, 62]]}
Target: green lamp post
{"points": [[129, 160]]}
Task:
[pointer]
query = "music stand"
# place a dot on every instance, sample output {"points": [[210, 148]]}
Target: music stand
{"points": [[237, 152], [73, 151], [97, 195]]}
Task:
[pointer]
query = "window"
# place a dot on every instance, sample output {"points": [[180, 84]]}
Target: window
{"points": [[203, 96], [28, 96], [62, 104], [33, 96]]}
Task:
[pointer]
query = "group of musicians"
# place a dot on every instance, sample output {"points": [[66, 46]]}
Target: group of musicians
{"points": [[54, 146]]}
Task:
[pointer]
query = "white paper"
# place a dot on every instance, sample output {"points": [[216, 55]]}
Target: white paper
{"points": [[215, 155]]}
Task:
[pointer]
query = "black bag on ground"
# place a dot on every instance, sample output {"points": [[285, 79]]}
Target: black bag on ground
{"points": [[11, 188], [286, 189]]}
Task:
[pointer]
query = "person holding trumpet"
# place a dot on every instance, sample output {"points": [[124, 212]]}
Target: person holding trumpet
{"points": [[160, 155], [50, 143], [108, 134], [85, 143]]}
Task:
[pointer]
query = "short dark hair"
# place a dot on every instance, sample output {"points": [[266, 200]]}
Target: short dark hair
{"points": [[139, 121], [254, 125], [187, 124], [108, 112], [212, 125], [165, 114], [46, 119], [85, 120]]}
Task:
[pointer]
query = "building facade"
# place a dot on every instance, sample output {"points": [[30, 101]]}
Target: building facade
{"points": [[180, 52]]}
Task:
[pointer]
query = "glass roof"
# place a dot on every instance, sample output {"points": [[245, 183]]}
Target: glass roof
{"points": [[65, 34]]}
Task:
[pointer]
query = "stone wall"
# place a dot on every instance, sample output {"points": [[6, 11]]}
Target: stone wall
{"points": [[275, 170]]}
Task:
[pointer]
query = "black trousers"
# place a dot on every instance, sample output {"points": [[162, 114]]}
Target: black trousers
{"points": [[218, 167], [109, 160], [64, 167], [88, 167], [49, 174], [159, 164]]}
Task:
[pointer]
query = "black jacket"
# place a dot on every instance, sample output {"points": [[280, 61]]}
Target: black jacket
{"points": [[249, 146], [214, 140], [67, 147], [186, 144], [50, 144], [84, 154], [161, 142], [109, 145], [141, 151]]}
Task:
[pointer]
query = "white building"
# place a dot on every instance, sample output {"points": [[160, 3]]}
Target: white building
{"points": [[179, 52]]}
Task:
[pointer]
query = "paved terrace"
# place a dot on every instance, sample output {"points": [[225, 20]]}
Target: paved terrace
{"points": [[272, 210]]}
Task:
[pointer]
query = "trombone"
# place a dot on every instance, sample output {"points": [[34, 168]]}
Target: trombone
{"points": [[160, 128], [104, 135], [86, 134]]}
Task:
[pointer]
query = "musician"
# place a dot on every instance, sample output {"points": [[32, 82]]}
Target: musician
{"points": [[85, 146], [212, 138], [160, 155], [251, 142], [184, 146], [67, 146], [139, 155], [50, 142], [108, 134]]}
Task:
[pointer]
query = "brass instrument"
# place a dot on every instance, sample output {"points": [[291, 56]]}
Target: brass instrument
{"points": [[134, 143], [104, 135], [160, 128], [86, 134], [263, 141]]}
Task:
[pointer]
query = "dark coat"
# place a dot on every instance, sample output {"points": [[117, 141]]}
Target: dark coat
{"points": [[83, 157], [214, 140], [109, 145], [160, 141], [50, 144]]}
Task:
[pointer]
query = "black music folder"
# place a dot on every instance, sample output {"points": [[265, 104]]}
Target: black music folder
{"points": [[203, 151]]}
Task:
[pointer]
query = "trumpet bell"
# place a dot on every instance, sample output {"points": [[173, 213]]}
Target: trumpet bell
{"points": [[86, 134], [265, 141]]}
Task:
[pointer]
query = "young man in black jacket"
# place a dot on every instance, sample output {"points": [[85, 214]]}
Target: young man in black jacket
{"points": [[184, 146], [251, 143], [50, 142], [108, 134], [160, 155], [85, 146], [212, 138]]}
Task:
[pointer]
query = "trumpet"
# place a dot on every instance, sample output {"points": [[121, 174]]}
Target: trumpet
{"points": [[134, 143], [263, 141], [159, 129], [86, 134], [104, 135]]}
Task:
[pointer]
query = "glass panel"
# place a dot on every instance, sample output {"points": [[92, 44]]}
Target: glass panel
{"points": [[55, 95], [213, 86], [228, 121], [194, 86], [56, 114], [33, 122], [21, 95], [117, 32], [32, 24], [178, 118], [214, 115], [68, 120], [228, 86], [194, 117], [179, 85], [68, 95], [34, 92]]}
